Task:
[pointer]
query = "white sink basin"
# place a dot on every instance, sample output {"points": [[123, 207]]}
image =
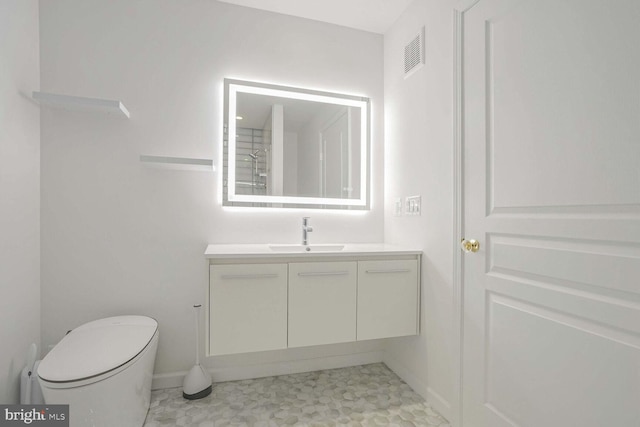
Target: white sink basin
{"points": [[309, 248]]}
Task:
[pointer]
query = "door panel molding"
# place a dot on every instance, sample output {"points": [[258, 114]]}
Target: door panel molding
{"points": [[550, 256], [582, 324], [569, 346], [607, 311], [509, 142], [631, 210]]}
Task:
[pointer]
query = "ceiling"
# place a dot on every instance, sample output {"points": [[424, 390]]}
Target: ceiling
{"points": [[369, 15]]}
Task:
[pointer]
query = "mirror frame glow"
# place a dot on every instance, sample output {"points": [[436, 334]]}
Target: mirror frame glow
{"points": [[233, 87]]}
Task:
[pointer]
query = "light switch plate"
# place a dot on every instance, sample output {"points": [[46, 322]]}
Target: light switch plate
{"points": [[398, 207], [413, 205]]}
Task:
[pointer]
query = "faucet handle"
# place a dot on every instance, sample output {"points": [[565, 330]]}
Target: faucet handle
{"points": [[305, 230], [305, 221]]}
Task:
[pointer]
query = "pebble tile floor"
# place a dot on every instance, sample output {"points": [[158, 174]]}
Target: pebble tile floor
{"points": [[368, 395]]}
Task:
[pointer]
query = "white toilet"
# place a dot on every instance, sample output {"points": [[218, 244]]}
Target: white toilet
{"points": [[103, 370]]}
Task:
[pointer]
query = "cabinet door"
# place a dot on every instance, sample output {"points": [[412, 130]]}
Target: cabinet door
{"points": [[247, 308], [387, 299], [322, 303]]}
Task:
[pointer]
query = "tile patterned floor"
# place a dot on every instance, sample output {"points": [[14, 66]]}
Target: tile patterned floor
{"points": [[369, 395]]}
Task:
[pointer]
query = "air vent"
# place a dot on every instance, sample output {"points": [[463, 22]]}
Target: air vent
{"points": [[414, 54]]}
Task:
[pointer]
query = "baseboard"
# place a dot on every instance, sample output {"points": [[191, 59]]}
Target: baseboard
{"points": [[174, 379], [168, 380], [434, 399], [438, 403], [403, 372]]}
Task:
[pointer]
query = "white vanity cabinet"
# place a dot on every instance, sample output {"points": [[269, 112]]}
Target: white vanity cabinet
{"points": [[388, 296], [261, 300], [247, 308], [322, 300]]}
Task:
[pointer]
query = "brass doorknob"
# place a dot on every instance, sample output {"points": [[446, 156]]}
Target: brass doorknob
{"points": [[470, 245]]}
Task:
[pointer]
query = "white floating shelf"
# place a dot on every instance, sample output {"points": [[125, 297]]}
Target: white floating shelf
{"points": [[179, 163], [81, 103]]}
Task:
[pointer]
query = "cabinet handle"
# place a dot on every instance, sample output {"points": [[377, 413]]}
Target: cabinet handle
{"points": [[391, 270], [323, 273], [249, 276]]}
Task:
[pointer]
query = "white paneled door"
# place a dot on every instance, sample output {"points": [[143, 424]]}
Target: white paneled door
{"points": [[551, 190]]}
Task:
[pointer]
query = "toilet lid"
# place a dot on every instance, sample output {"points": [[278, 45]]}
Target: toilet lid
{"points": [[97, 347]]}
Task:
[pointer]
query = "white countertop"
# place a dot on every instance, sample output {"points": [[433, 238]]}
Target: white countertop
{"points": [[264, 250]]}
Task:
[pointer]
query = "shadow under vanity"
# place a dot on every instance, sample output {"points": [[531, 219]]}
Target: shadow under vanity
{"points": [[261, 299]]}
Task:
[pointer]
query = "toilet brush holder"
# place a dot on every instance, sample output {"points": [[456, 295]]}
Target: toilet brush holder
{"points": [[197, 383]]}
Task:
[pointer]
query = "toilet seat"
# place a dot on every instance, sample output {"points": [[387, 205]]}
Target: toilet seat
{"points": [[97, 350]]}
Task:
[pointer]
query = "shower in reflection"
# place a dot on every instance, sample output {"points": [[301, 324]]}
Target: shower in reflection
{"points": [[252, 153]]}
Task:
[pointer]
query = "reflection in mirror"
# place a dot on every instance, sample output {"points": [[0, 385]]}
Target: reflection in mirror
{"points": [[295, 147]]}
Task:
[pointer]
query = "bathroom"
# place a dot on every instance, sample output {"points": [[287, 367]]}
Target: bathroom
{"points": [[91, 232]]}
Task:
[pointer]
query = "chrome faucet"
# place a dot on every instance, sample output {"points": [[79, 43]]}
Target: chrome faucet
{"points": [[306, 229]]}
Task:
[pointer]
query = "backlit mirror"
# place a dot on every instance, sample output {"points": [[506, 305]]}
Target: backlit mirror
{"points": [[292, 147]]}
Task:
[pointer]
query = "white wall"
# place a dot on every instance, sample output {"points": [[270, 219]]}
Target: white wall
{"points": [[290, 178], [121, 238], [19, 191], [419, 161]]}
